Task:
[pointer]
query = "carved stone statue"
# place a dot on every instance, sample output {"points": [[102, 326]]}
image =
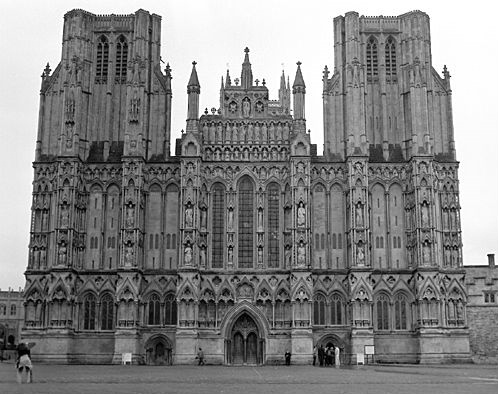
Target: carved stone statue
{"points": [[260, 256], [202, 257], [301, 215], [188, 255], [359, 215], [230, 255], [130, 216], [301, 254], [64, 216], [129, 252], [230, 219], [260, 220], [360, 254], [203, 218], [425, 215], [62, 254], [189, 216], [246, 108]]}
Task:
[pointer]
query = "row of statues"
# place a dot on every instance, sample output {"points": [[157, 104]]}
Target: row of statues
{"points": [[258, 132]]}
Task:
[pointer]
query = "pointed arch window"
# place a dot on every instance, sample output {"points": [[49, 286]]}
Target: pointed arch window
{"points": [[319, 310], [273, 204], [154, 310], [372, 60], [382, 312], [400, 312], [218, 215], [337, 310], [170, 310], [121, 59], [89, 309], [390, 54], [107, 313], [102, 60], [246, 223]]}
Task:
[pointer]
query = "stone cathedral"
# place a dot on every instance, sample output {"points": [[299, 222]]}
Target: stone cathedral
{"points": [[245, 242]]}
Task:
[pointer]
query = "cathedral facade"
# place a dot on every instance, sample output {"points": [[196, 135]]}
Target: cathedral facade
{"points": [[245, 242]]}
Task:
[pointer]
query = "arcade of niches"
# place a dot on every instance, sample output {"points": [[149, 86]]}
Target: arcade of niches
{"points": [[246, 242]]}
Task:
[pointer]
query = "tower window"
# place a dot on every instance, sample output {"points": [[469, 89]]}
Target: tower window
{"points": [[390, 53], [273, 225], [102, 60], [121, 60], [372, 61], [246, 223]]}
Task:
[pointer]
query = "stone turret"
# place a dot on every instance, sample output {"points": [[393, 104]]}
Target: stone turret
{"points": [[246, 75], [193, 91]]}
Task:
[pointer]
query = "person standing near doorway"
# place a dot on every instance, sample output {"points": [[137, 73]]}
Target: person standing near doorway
{"points": [[23, 362], [315, 353], [321, 354], [287, 357]]}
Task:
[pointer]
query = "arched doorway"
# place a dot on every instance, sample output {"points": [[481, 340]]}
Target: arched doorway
{"points": [[245, 347], [332, 342], [158, 351]]}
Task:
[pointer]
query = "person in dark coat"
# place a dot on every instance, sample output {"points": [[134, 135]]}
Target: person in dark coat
{"points": [[321, 354], [287, 357], [200, 356]]}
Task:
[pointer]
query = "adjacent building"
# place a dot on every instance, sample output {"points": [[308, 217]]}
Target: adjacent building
{"points": [[245, 242], [11, 317]]}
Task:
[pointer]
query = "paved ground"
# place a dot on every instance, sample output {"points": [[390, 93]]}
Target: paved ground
{"points": [[404, 379]]}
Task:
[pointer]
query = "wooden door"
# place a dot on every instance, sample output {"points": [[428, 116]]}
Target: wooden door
{"points": [[238, 349], [252, 349]]}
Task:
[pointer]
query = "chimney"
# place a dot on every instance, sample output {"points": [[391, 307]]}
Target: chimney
{"points": [[491, 260]]}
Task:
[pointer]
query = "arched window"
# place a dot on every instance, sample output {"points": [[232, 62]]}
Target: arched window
{"points": [[121, 59], [102, 60], [319, 310], [400, 312], [3, 309], [382, 312], [372, 61], [154, 310], [170, 310], [107, 313], [273, 196], [334, 241], [13, 310], [390, 52], [168, 241], [317, 241], [218, 215], [89, 309], [322, 243], [339, 241], [337, 310], [246, 223]]}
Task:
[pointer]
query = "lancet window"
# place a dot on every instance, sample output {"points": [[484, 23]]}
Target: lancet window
{"points": [[107, 313], [246, 223], [154, 310], [372, 60], [170, 310], [89, 311], [319, 310], [382, 305], [390, 53], [121, 59], [400, 312], [273, 195], [218, 215], [102, 60]]}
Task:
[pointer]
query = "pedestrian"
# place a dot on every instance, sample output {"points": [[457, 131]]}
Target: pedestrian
{"points": [[200, 356], [287, 357], [23, 363], [315, 353], [329, 356], [321, 354]]}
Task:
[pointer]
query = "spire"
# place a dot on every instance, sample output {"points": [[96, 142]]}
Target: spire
{"points": [[246, 76], [228, 80], [193, 90], [193, 83], [298, 81], [282, 81]]}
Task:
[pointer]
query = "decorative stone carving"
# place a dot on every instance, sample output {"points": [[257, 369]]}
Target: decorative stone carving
{"points": [[301, 215]]}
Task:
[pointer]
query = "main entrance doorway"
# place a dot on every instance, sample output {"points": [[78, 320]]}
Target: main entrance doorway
{"points": [[158, 351], [245, 346]]}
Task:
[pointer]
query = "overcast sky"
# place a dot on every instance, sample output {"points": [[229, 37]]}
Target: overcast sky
{"points": [[278, 33]]}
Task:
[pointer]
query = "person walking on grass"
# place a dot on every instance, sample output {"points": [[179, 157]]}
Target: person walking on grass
{"points": [[23, 363], [200, 357]]}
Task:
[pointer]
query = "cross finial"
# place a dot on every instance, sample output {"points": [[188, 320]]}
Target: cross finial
{"points": [[194, 63], [246, 50], [299, 63]]}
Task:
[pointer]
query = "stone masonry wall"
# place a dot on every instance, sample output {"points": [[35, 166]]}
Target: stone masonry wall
{"points": [[483, 324]]}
